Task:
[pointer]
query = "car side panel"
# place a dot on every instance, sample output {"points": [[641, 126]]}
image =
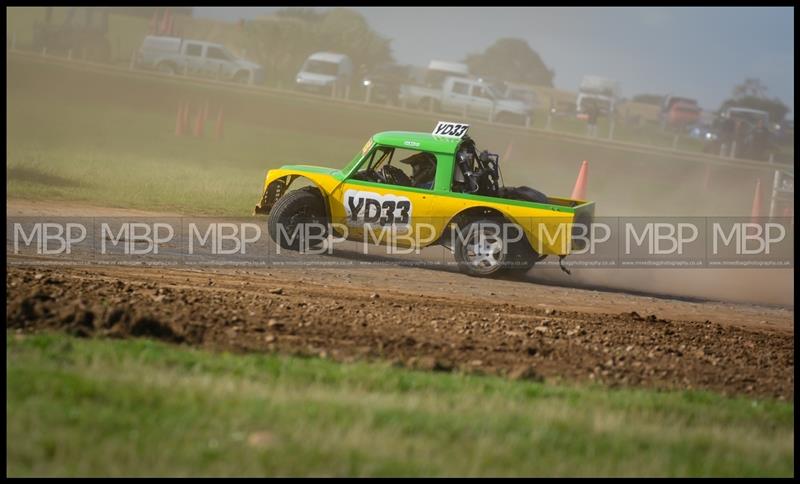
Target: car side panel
{"points": [[548, 229]]}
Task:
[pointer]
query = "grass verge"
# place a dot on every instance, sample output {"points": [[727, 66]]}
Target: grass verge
{"points": [[137, 407]]}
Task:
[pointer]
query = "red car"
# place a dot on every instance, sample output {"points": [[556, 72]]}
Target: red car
{"points": [[682, 114]]}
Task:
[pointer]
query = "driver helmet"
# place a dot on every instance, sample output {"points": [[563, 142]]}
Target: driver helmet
{"points": [[423, 167]]}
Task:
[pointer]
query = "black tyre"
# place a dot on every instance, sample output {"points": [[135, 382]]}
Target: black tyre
{"points": [[522, 258], [296, 214], [482, 251]]}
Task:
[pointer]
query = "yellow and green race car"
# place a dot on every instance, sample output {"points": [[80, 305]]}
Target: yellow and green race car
{"points": [[424, 189]]}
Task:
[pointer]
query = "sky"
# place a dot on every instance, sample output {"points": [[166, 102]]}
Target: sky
{"points": [[698, 52]]}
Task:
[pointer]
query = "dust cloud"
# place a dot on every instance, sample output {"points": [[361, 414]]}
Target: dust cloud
{"points": [[699, 190]]}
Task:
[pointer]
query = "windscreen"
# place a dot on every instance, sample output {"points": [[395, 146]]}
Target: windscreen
{"points": [[315, 66]]}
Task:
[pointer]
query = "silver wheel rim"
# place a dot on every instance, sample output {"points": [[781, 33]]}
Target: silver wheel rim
{"points": [[484, 250]]}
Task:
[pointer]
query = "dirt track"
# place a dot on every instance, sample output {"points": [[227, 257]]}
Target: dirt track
{"points": [[333, 314], [421, 318]]}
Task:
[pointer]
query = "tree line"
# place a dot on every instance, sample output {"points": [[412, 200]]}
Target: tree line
{"points": [[281, 43]]}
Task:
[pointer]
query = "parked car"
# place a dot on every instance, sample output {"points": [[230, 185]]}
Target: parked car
{"points": [[741, 133], [525, 95], [682, 114], [382, 84], [513, 91], [174, 55], [325, 72], [564, 109], [597, 91], [749, 116], [702, 131], [470, 97], [679, 112], [437, 71], [425, 83]]}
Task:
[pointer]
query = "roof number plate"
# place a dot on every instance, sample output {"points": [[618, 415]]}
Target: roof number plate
{"points": [[450, 130]]}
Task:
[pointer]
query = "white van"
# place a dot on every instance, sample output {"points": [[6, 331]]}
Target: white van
{"points": [[604, 92], [326, 72], [438, 71]]}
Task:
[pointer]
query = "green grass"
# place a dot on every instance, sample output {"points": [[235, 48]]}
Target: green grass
{"points": [[126, 34], [136, 407], [108, 139], [117, 156]]}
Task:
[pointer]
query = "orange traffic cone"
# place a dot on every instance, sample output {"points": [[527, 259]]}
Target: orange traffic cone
{"points": [[199, 124], [218, 129], [186, 116], [153, 23], [507, 154], [579, 192], [755, 213], [164, 23], [179, 125]]}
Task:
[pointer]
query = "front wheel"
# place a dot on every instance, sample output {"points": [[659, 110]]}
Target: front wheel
{"points": [[299, 221]]}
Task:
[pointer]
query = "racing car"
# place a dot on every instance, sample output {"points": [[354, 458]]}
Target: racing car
{"points": [[434, 188]]}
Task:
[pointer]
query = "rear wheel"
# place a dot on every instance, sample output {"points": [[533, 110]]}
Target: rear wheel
{"points": [[482, 249], [296, 216], [521, 258]]}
